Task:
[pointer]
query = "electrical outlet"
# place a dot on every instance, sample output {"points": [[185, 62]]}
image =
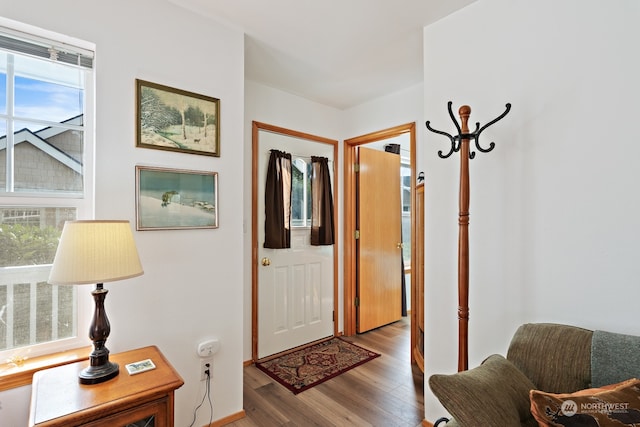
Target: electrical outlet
{"points": [[208, 348], [206, 364]]}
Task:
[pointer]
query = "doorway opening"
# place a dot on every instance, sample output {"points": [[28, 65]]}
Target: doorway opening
{"points": [[350, 219]]}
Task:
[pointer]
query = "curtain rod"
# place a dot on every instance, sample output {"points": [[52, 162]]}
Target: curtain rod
{"points": [[299, 156]]}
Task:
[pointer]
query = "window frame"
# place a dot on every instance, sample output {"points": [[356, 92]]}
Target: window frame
{"points": [[84, 203]]}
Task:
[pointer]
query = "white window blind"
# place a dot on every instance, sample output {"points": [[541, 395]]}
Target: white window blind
{"points": [[19, 42]]}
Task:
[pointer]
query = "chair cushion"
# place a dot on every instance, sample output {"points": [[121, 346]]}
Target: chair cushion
{"points": [[614, 358], [556, 358], [614, 405], [495, 393]]}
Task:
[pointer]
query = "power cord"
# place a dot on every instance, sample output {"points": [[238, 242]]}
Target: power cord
{"points": [[207, 394]]}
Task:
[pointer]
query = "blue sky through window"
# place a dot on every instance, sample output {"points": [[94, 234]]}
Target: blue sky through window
{"points": [[42, 91], [3, 93], [42, 100]]}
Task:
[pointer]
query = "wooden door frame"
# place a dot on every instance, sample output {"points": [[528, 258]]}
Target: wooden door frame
{"points": [[256, 127], [350, 218]]}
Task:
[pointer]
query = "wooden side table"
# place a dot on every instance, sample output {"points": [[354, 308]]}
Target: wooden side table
{"points": [[143, 399]]}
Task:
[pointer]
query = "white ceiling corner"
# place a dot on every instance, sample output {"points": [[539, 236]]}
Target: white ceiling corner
{"points": [[338, 53]]}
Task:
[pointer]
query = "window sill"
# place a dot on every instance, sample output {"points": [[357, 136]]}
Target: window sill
{"points": [[12, 376]]}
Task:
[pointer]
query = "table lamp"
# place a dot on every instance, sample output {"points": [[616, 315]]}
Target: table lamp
{"points": [[96, 251]]}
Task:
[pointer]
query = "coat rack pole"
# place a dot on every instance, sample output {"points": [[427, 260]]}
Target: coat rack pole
{"points": [[462, 143], [463, 244]]}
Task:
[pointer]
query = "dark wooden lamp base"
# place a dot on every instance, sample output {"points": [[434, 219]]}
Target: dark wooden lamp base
{"points": [[98, 374], [99, 369]]}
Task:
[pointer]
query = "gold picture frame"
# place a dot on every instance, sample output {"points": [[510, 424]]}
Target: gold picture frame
{"points": [[176, 120]]}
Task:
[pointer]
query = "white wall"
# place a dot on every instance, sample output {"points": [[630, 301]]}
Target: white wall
{"points": [[553, 237], [192, 286], [394, 109]]}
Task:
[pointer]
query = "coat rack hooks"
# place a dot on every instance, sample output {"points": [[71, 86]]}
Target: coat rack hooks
{"points": [[461, 143], [465, 110]]}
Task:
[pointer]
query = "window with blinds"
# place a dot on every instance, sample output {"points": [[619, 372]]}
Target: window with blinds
{"points": [[46, 169]]}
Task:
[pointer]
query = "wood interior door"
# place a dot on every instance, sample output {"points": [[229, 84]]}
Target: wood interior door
{"points": [[379, 247]]}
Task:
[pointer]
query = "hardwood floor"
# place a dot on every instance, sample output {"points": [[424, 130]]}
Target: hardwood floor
{"points": [[386, 391]]}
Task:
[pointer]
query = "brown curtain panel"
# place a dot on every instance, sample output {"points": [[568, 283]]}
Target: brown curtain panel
{"points": [[277, 201], [322, 232]]}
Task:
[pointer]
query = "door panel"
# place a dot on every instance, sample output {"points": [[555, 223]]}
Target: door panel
{"points": [[379, 245], [295, 297], [295, 289]]}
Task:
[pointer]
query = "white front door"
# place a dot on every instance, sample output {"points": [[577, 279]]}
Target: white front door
{"points": [[296, 296], [295, 286]]}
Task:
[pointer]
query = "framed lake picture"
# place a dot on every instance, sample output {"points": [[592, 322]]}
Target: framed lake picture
{"points": [[170, 199], [176, 120]]}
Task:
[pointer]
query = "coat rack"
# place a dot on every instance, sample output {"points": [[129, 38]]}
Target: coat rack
{"points": [[460, 142]]}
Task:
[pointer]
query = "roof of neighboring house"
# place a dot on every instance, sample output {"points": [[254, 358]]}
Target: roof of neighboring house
{"points": [[39, 140]]}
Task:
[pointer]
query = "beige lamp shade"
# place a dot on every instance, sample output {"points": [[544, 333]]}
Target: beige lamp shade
{"points": [[95, 252]]}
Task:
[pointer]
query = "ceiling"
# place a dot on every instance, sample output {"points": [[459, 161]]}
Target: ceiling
{"points": [[335, 52]]}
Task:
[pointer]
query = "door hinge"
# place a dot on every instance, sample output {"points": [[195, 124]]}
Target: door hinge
{"points": [[356, 302], [356, 167], [356, 234]]}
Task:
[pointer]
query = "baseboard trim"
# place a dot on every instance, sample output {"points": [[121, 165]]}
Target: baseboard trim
{"points": [[228, 419]]}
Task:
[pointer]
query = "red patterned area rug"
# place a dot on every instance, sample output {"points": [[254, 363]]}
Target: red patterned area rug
{"points": [[302, 369]]}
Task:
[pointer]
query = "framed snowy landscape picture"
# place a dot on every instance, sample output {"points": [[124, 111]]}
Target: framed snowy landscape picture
{"points": [[170, 199], [176, 120]]}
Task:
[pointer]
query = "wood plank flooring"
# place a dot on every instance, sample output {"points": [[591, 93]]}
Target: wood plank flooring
{"points": [[386, 391]]}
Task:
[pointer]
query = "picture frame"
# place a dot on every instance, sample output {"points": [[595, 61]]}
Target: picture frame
{"points": [[172, 199], [176, 120]]}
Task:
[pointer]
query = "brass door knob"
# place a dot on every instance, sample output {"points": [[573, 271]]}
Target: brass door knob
{"points": [[266, 262], [399, 246]]}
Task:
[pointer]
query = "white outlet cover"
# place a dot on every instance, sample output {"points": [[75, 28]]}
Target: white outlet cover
{"points": [[208, 348]]}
